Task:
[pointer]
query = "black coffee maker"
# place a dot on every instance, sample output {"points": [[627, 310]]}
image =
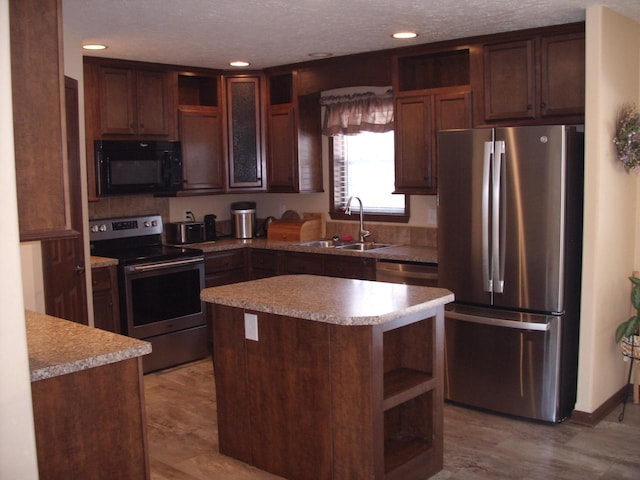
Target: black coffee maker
{"points": [[210, 228]]}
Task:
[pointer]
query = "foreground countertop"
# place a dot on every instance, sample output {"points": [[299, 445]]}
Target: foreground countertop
{"points": [[339, 301], [57, 347]]}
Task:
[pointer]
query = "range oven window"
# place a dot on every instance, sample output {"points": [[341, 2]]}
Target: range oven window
{"points": [[165, 296]]}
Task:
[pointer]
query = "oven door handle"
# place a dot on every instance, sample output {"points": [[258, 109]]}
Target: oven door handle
{"points": [[162, 265]]}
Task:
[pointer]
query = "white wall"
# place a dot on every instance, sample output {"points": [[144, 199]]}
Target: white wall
{"points": [[611, 197], [17, 439]]}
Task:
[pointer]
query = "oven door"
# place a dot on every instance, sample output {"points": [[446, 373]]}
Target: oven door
{"points": [[163, 297]]}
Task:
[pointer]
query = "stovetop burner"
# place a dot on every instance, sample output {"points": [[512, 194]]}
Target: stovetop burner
{"points": [[134, 240]]}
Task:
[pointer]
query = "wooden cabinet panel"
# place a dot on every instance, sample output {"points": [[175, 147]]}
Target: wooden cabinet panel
{"points": [[133, 102], [202, 149], [536, 80], [349, 267], [282, 149], [562, 72], [294, 147], [106, 308], [304, 263], [38, 118], [153, 110], [509, 80], [117, 101], [91, 423], [418, 120], [264, 263], [413, 162], [245, 133]]}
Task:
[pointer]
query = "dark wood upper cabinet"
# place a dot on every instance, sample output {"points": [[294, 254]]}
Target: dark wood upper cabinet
{"points": [[539, 79], [133, 102], [39, 119], [245, 134], [509, 80], [294, 149], [413, 129], [262, 130], [418, 120], [562, 75], [202, 148], [282, 148], [432, 92]]}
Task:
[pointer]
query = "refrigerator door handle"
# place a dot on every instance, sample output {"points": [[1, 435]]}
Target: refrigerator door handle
{"points": [[497, 257], [486, 169], [499, 322]]}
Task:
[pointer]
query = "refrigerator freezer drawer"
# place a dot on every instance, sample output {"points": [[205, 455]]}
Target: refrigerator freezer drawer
{"points": [[507, 363]]}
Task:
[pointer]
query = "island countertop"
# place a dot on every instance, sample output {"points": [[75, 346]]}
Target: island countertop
{"points": [[339, 301], [57, 347]]}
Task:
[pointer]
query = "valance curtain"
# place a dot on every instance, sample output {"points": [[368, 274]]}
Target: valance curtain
{"points": [[358, 112]]}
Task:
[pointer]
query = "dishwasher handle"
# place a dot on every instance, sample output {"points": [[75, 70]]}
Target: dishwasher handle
{"points": [[406, 273], [414, 274]]}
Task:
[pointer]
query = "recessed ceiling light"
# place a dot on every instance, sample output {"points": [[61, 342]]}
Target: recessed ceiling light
{"points": [[94, 46], [404, 35], [320, 54], [239, 63]]}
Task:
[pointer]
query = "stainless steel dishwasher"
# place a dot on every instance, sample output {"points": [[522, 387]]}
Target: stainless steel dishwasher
{"points": [[408, 273]]}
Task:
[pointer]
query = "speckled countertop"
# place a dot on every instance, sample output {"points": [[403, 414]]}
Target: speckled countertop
{"points": [[97, 262], [327, 299], [407, 253], [57, 347]]}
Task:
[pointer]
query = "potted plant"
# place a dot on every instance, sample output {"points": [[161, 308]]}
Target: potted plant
{"points": [[627, 331]]}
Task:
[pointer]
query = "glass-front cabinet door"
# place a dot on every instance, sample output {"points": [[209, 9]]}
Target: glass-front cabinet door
{"points": [[245, 132]]}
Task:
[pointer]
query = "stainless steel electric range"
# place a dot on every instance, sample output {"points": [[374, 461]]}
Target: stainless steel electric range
{"points": [[159, 288]]}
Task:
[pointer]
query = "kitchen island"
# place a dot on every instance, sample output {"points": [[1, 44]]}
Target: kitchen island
{"points": [[330, 378], [88, 402]]}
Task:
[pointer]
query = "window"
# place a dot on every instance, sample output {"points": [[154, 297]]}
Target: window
{"points": [[363, 166], [359, 124]]}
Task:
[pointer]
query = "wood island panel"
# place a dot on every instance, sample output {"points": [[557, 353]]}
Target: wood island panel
{"points": [[88, 401], [320, 395], [90, 424]]}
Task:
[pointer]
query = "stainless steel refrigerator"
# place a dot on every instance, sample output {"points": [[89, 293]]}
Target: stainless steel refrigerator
{"points": [[510, 247]]}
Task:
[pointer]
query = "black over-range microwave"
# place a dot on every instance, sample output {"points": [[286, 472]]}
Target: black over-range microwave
{"points": [[129, 167]]}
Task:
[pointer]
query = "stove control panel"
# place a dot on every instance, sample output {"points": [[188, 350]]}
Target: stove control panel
{"points": [[125, 227]]}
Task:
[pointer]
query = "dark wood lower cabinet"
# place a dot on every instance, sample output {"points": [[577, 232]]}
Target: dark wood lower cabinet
{"points": [[312, 400], [106, 306], [90, 424]]}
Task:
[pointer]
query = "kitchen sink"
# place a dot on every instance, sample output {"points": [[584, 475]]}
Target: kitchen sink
{"points": [[361, 247], [317, 243]]}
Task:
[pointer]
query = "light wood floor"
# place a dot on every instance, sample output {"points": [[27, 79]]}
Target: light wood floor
{"points": [[183, 439]]}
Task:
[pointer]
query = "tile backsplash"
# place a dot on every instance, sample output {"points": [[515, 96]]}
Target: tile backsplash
{"points": [[386, 233], [129, 205]]}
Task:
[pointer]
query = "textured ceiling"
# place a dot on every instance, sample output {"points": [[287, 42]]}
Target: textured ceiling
{"points": [[210, 33]]}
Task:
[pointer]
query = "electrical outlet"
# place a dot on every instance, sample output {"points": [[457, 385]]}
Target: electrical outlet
{"points": [[188, 216], [251, 326]]}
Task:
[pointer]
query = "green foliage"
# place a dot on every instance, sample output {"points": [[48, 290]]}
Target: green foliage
{"points": [[631, 326]]}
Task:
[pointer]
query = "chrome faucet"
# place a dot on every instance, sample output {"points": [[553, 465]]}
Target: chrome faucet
{"points": [[363, 233]]}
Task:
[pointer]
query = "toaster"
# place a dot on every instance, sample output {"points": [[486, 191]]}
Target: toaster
{"points": [[179, 233]]}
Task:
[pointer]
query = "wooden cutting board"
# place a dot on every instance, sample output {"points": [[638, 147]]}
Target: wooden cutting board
{"points": [[293, 230]]}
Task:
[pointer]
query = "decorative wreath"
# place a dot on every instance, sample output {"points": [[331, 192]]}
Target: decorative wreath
{"points": [[627, 139]]}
